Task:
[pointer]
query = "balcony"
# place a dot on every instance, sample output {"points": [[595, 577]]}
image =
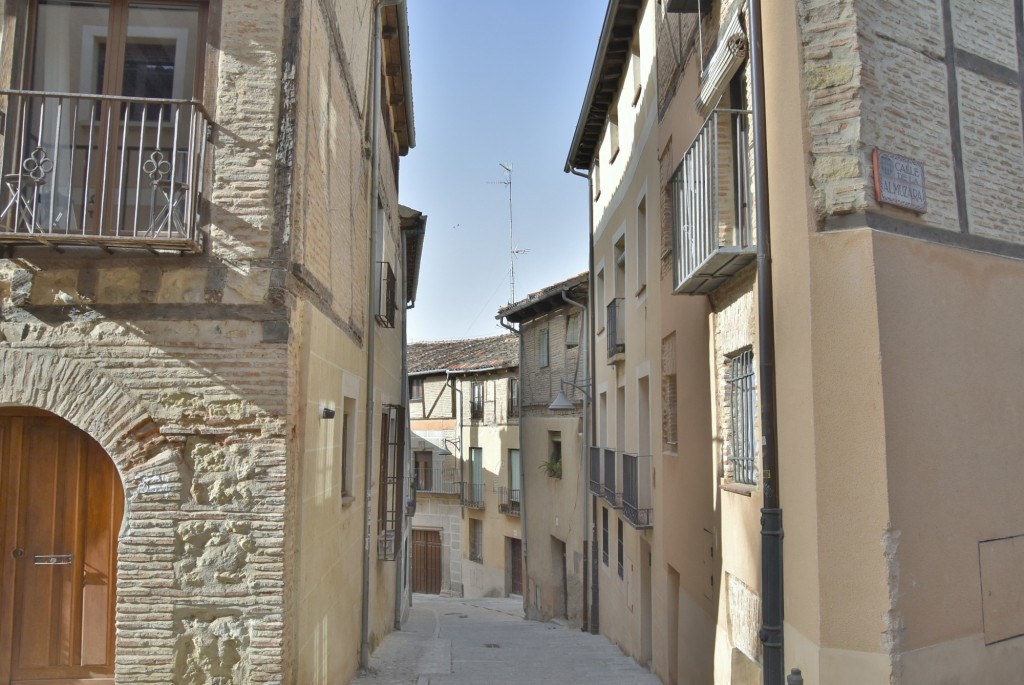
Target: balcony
{"points": [[616, 331], [711, 202], [473, 495], [636, 490], [438, 480], [101, 171], [595, 471], [610, 494], [387, 305], [508, 502]]}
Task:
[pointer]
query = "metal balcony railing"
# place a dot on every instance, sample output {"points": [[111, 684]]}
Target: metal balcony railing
{"points": [[513, 408], [616, 328], [637, 505], [473, 495], [438, 480], [611, 495], [509, 501], [711, 204], [111, 172], [595, 470]]}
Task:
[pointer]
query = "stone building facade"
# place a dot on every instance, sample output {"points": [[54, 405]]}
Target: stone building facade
{"points": [[557, 524], [894, 145], [464, 418], [202, 281]]}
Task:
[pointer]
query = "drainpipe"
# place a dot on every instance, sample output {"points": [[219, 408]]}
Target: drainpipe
{"points": [[586, 451], [371, 332], [522, 478], [771, 633], [591, 619]]}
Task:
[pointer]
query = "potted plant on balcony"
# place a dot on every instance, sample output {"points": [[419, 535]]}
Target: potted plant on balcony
{"points": [[552, 468]]}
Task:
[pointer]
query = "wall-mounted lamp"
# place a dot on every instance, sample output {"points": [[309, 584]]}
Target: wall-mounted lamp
{"points": [[326, 413], [561, 402]]}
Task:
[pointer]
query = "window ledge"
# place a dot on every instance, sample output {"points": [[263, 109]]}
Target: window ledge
{"points": [[636, 95], [738, 488], [640, 291], [347, 500]]}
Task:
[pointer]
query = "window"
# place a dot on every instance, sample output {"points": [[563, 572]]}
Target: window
{"points": [[476, 401], [669, 421], [641, 246], [475, 488], [513, 398], [105, 175], [476, 540], [604, 535], [599, 299], [424, 471], [740, 382], [392, 472], [387, 304], [572, 329], [542, 347], [555, 439], [595, 178], [621, 571], [634, 68], [416, 389], [613, 135], [515, 473], [348, 448]]}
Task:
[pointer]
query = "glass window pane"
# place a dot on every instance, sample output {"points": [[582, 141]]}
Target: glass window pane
{"points": [[161, 51], [70, 46]]}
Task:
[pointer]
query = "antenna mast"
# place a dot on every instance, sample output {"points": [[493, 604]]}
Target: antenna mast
{"points": [[512, 251]]}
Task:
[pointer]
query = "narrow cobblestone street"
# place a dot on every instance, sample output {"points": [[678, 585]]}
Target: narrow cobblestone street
{"points": [[449, 641]]}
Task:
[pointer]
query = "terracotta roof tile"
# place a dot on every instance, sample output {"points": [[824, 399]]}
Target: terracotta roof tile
{"points": [[474, 354]]}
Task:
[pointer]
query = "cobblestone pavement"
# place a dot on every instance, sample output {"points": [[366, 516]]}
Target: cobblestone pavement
{"points": [[449, 641]]}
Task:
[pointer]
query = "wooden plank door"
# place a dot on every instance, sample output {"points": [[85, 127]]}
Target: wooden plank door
{"points": [[426, 561], [515, 552], [62, 504]]}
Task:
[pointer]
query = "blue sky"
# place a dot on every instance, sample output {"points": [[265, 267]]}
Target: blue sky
{"points": [[495, 82]]}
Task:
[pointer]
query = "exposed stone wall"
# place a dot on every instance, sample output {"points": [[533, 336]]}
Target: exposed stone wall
{"points": [[938, 82], [438, 402]]}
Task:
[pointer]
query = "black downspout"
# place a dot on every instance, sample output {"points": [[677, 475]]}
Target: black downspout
{"points": [[771, 634], [591, 619]]}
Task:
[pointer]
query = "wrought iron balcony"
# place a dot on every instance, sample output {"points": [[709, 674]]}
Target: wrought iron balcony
{"points": [[711, 202], [616, 330], [111, 172], [473, 495], [611, 495], [636, 490], [438, 480], [387, 305], [509, 502], [595, 471]]}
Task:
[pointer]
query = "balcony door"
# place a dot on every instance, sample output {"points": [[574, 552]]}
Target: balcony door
{"points": [[101, 143], [61, 504]]}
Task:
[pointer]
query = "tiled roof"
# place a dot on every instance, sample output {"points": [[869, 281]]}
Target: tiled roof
{"points": [[474, 354], [547, 299]]}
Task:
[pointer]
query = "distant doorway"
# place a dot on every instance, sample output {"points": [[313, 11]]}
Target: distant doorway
{"points": [[515, 566], [61, 505], [426, 561]]}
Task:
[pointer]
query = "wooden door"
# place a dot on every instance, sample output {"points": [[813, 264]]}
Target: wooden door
{"points": [[515, 553], [61, 504], [426, 561]]}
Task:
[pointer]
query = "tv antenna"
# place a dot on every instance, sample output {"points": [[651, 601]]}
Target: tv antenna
{"points": [[512, 251]]}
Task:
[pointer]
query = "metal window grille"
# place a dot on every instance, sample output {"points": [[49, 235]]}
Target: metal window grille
{"points": [[621, 573], [595, 470], [388, 304], [711, 203], [604, 536], [611, 495], [742, 397], [616, 331], [636, 490], [392, 482]]}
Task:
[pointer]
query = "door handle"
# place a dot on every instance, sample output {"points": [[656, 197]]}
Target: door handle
{"points": [[52, 559], [18, 553]]}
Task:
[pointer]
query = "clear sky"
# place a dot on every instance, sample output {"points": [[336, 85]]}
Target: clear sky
{"points": [[495, 82]]}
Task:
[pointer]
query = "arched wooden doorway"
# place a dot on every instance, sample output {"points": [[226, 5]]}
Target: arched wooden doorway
{"points": [[61, 505]]}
